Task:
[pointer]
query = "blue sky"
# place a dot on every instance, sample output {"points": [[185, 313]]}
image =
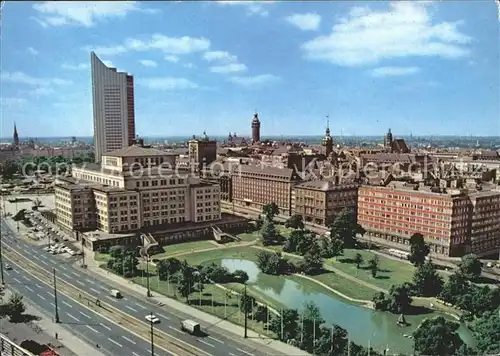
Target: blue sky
{"points": [[418, 67]]}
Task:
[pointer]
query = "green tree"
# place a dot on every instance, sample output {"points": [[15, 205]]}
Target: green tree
{"points": [[240, 276], [295, 221], [437, 337], [270, 211], [471, 267], [116, 251], [293, 240], [305, 243], [185, 284], [331, 247], [426, 280], [310, 326], [313, 262], [345, 227], [167, 268], [271, 262], [418, 249], [400, 299], [456, 286], [486, 331], [285, 324], [16, 307], [247, 303], [269, 233], [373, 265], [358, 260], [259, 222]]}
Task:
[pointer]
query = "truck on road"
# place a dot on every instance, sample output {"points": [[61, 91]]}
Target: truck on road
{"points": [[116, 293], [191, 327]]}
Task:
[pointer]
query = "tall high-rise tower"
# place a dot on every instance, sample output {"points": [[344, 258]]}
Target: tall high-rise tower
{"points": [[256, 128], [15, 137], [388, 140], [114, 111]]}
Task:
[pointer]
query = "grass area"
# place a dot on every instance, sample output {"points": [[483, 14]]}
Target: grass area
{"points": [[101, 257], [249, 236], [344, 286], [174, 249]]}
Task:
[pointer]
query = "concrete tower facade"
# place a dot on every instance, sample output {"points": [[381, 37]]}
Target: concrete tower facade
{"points": [[256, 128], [114, 109]]}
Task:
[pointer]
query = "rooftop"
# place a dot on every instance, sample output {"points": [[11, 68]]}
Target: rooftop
{"points": [[326, 185], [138, 151]]}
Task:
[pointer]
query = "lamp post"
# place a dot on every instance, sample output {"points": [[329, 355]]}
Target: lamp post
{"points": [[55, 296], [1, 260], [151, 332], [148, 294], [246, 311]]}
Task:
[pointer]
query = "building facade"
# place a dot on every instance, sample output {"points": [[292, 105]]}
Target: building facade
{"points": [[256, 186], [113, 108], [453, 222], [202, 151], [133, 190], [320, 201]]}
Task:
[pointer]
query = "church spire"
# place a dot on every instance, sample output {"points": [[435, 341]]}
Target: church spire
{"points": [[15, 136], [327, 125]]}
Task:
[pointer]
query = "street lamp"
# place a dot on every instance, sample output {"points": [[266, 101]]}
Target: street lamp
{"points": [[55, 296], [1, 259], [246, 311], [151, 332], [148, 294]]}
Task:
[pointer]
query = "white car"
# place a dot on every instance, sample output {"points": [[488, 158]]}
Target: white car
{"points": [[152, 318]]}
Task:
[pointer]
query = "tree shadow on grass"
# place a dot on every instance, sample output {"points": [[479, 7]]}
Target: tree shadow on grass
{"points": [[418, 310]]}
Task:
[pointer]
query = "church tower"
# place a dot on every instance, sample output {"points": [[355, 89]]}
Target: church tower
{"points": [[388, 141], [256, 128], [15, 137], [327, 141]]}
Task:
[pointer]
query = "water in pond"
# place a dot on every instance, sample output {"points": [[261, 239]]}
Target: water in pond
{"points": [[364, 325]]}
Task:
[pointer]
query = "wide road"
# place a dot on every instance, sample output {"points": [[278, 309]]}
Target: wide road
{"points": [[216, 343]]}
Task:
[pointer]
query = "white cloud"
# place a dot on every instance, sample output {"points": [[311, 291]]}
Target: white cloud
{"points": [[368, 37], [166, 44], [81, 66], [307, 22], [229, 68], [168, 83], [12, 102], [393, 71], [252, 7], [22, 78], [189, 65], [171, 58], [148, 63], [254, 80], [32, 51], [42, 91], [222, 56], [82, 13]]}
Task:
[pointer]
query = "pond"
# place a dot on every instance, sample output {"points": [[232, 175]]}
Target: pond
{"points": [[365, 326]]}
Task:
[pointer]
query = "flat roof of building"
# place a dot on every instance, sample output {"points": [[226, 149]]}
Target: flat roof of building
{"points": [[139, 151]]}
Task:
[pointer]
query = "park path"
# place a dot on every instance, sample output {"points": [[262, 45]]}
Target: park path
{"points": [[331, 269]]}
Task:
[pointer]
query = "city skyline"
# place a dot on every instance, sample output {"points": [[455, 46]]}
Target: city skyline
{"points": [[437, 77]]}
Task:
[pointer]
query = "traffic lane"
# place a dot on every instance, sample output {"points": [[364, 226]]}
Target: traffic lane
{"points": [[131, 305], [96, 330]]}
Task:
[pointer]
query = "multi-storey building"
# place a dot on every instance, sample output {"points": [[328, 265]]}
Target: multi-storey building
{"points": [[113, 104], [256, 186], [132, 189], [452, 221], [202, 151], [320, 201]]}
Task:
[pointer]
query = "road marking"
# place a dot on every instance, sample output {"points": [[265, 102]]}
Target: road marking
{"points": [[163, 316], [91, 328], [38, 286], [102, 287], [66, 275], [69, 305], [174, 329], [114, 342], [72, 317], [41, 297], [231, 354], [92, 289], [75, 274], [206, 343], [248, 353], [135, 354], [28, 288], [88, 280], [17, 280], [45, 263], [80, 282], [26, 278], [126, 306], [53, 304], [105, 326], [50, 293], [64, 268], [85, 315], [131, 341], [36, 258], [216, 340], [140, 306]]}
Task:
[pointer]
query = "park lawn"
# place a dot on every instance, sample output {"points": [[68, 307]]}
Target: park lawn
{"points": [[391, 271], [344, 286], [182, 247], [249, 236]]}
